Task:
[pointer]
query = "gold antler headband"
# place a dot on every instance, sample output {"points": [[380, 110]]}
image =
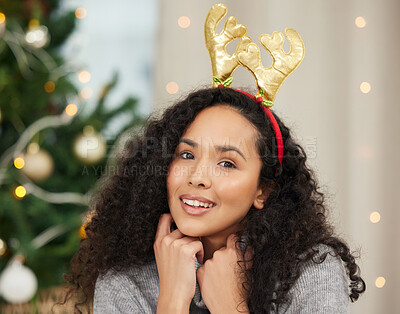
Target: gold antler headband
{"points": [[247, 54]]}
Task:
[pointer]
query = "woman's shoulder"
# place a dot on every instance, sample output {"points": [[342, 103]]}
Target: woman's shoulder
{"points": [[322, 286], [133, 275], [326, 265], [136, 285]]}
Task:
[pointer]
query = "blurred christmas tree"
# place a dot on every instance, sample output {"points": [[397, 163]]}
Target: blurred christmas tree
{"points": [[48, 148]]}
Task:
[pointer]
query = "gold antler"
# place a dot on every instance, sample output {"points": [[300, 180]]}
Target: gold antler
{"points": [[270, 79], [222, 63]]}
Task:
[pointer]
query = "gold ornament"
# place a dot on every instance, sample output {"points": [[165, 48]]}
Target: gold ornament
{"points": [[39, 164], [247, 54], [90, 147], [3, 247]]}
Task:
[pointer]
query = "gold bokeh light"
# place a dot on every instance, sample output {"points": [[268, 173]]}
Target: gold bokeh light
{"points": [[365, 87], [19, 163], [71, 110], [375, 217], [49, 87], [380, 282], [20, 191], [360, 22], [2, 18]]}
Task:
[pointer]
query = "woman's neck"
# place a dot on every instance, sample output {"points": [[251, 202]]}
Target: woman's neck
{"points": [[215, 242]]}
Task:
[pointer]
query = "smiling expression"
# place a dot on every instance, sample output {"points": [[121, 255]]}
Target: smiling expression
{"points": [[213, 179]]}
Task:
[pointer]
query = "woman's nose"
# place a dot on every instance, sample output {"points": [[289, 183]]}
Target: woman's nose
{"points": [[200, 176]]}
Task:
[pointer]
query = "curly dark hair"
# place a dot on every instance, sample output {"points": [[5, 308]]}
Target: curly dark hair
{"points": [[129, 203]]}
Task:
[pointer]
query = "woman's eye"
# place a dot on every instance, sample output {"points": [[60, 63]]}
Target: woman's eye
{"points": [[186, 155], [228, 164], [225, 164]]}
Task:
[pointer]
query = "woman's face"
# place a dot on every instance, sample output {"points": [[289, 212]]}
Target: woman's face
{"points": [[216, 162]]}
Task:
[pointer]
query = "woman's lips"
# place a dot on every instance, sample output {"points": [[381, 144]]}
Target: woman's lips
{"points": [[195, 211]]}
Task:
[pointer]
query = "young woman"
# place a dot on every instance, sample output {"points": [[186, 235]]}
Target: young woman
{"points": [[203, 217]]}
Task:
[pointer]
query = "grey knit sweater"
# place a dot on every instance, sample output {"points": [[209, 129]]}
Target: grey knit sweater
{"points": [[320, 289]]}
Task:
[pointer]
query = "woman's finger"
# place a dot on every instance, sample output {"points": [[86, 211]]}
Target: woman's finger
{"points": [[164, 226]]}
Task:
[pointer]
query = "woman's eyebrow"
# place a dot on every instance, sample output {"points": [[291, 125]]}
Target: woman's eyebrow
{"points": [[220, 148]]}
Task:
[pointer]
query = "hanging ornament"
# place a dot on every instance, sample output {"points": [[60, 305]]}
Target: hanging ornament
{"points": [[39, 164], [3, 247], [89, 147], [38, 36], [18, 284]]}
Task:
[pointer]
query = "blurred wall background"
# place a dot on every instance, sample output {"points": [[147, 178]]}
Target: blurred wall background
{"points": [[116, 38], [341, 102]]}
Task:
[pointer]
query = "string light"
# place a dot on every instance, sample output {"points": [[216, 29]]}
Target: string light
{"points": [[184, 22], [49, 87], [71, 110], [20, 191], [365, 87], [84, 76], [360, 22], [80, 13], [19, 163], [86, 93], [172, 88], [375, 217], [380, 282], [2, 18]]}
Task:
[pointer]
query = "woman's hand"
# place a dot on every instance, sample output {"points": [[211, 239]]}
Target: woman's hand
{"points": [[220, 280], [175, 257]]}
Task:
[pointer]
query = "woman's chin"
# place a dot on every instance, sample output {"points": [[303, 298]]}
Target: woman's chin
{"points": [[190, 230]]}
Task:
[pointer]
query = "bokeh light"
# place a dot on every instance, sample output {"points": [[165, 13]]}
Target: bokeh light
{"points": [[49, 87], [80, 13], [19, 163], [380, 282], [172, 88], [71, 110], [365, 87], [184, 22], [360, 22], [20, 191], [2, 18], [84, 76], [86, 93], [375, 217]]}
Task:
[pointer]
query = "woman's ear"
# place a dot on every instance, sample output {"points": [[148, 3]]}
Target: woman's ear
{"points": [[262, 195]]}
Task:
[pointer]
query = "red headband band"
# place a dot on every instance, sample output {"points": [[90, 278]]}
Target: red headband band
{"points": [[278, 134]]}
